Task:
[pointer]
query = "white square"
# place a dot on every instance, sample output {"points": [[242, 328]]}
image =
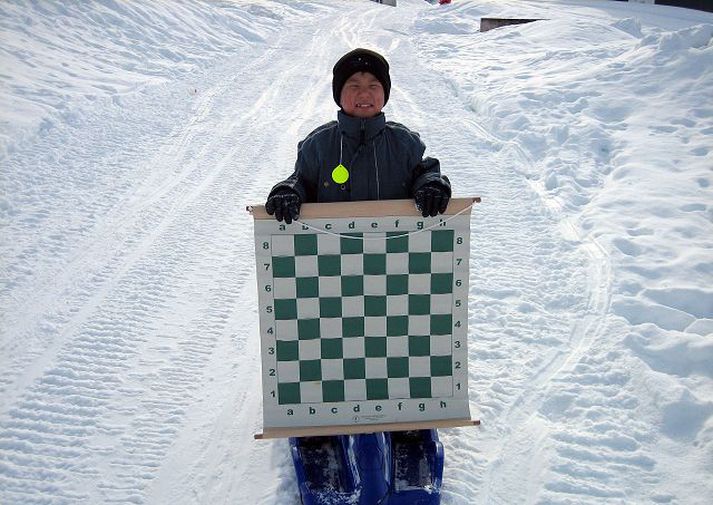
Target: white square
{"points": [[442, 386], [307, 308], [310, 349], [306, 266], [288, 371], [397, 305], [399, 388], [375, 326], [355, 389], [375, 285], [352, 264], [376, 368], [397, 263], [328, 244], [375, 243], [284, 287], [332, 369], [442, 304], [353, 347], [311, 392], [397, 347], [283, 245], [330, 327], [352, 306], [442, 262], [330, 286], [419, 366], [441, 345], [419, 325], [286, 329], [419, 284], [419, 242]]}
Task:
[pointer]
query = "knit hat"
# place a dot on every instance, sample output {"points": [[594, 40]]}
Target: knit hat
{"points": [[360, 60]]}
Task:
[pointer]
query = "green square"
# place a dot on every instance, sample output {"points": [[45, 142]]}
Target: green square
{"points": [[374, 305], [332, 348], [441, 284], [353, 327], [397, 244], [330, 307], [305, 245], [308, 329], [397, 284], [396, 326], [329, 265], [283, 266], [419, 263], [307, 287], [419, 305], [396, 367], [441, 366], [288, 392], [442, 240], [441, 324], [333, 391], [352, 285], [374, 264], [285, 309], [375, 347], [377, 389], [419, 345], [354, 368], [420, 387], [310, 370], [351, 245], [288, 350]]}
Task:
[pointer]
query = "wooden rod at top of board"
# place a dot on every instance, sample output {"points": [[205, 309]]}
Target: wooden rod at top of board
{"points": [[366, 208]]}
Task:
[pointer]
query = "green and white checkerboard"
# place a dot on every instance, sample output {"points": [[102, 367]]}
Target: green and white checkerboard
{"points": [[363, 319]]}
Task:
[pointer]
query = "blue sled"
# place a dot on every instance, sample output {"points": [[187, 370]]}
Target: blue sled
{"points": [[396, 468]]}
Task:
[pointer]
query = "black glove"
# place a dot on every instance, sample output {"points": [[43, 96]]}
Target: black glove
{"points": [[432, 199], [284, 204]]}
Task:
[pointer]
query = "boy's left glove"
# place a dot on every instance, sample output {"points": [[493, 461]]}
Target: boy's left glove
{"points": [[432, 199], [284, 204]]}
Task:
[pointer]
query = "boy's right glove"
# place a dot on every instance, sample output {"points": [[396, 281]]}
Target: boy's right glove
{"points": [[432, 199], [284, 204]]}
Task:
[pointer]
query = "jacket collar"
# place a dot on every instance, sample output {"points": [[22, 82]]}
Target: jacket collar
{"points": [[354, 127]]}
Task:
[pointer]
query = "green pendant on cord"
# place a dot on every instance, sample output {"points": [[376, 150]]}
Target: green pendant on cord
{"points": [[340, 174]]}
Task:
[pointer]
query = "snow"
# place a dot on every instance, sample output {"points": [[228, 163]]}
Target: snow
{"points": [[133, 135]]}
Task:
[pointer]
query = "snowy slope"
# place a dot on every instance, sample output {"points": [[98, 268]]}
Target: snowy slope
{"points": [[133, 134]]}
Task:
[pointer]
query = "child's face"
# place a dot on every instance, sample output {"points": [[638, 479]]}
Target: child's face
{"points": [[362, 95]]}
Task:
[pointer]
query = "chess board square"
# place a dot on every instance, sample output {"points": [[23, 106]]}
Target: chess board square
{"points": [[420, 387], [283, 245], [287, 350], [375, 326], [283, 266], [305, 245], [397, 284], [419, 284], [419, 366], [375, 347], [351, 245], [330, 307], [285, 308], [419, 304], [397, 367], [377, 389], [442, 262], [441, 283], [375, 243], [307, 308], [397, 263], [441, 345], [310, 370], [353, 348], [329, 264], [442, 386], [353, 306], [332, 369], [375, 285], [396, 326], [286, 329], [441, 324], [397, 242], [374, 306], [419, 345], [442, 240], [306, 266], [441, 366], [419, 242], [374, 264], [399, 388], [288, 371], [328, 244], [308, 329], [333, 391], [309, 349], [352, 264], [288, 393], [354, 390], [352, 285], [331, 348], [397, 346], [307, 287], [441, 304], [419, 263], [355, 368], [376, 368], [418, 324], [330, 286], [397, 305], [284, 288], [311, 392], [330, 327], [352, 327]]}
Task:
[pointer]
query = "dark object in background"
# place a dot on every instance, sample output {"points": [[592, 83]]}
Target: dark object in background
{"points": [[491, 23]]}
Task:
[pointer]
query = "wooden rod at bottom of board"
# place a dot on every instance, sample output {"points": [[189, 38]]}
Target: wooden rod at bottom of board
{"points": [[349, 429]]}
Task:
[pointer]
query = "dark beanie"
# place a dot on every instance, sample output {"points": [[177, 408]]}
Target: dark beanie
{"points": [[360, 60]]}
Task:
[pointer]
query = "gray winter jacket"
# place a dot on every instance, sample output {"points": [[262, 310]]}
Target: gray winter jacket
{"points": [[384, 160]]}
